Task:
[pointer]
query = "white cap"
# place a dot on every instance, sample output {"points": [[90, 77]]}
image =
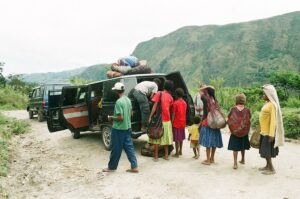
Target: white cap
{"points": [[118, 86]]}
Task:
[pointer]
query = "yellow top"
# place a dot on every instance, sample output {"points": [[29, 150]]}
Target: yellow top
{"points": [[267, 119], [194, 132]]}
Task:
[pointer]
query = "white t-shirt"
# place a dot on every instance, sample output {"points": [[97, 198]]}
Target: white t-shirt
{"points": [[198, 104], [147, 87]]}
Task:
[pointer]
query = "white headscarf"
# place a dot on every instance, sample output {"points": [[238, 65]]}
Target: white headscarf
{"points": [[271, 93]]}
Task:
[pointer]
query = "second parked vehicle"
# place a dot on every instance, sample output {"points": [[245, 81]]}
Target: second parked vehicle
{"points": [[38, 100]]}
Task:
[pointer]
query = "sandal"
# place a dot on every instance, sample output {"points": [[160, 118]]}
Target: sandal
{"points": [[235, 166]]}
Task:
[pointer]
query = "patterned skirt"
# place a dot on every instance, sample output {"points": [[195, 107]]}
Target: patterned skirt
{"points": [[210, 137], [167, 138]]}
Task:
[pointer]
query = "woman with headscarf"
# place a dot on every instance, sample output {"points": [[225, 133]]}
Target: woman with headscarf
{"points": [[209, 138], [272, 131]]}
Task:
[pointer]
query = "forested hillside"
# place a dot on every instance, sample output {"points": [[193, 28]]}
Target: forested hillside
{"points": [[242, 53]]}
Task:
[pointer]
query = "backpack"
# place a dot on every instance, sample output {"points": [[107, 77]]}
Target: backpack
{"points": [[239, 121]]}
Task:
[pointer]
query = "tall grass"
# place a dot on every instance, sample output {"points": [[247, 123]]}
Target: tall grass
{"points": [[8, 128], [11, 99]]}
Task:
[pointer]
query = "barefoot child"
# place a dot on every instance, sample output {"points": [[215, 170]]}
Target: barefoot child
{"points": [[179, 121], [194, 136], [239, 125]]}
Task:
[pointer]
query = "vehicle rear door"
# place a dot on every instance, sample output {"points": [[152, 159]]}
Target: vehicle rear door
{"points": [[55, 120], [179, 83], [72, 111]]}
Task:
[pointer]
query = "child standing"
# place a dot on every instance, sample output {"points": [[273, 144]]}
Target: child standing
{"points": [[239, 125], [179, 121], [194, 137]]}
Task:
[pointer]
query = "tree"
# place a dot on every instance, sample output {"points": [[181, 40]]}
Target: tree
{"points": [[2, 78]]}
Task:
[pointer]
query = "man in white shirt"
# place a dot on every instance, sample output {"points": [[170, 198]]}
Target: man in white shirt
{"points": [[141, 93], [198, 103]]}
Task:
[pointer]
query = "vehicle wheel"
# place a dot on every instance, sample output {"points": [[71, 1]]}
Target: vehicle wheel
{"points": [[75, 134], [106, 137], [40, 116], [30, 113]]}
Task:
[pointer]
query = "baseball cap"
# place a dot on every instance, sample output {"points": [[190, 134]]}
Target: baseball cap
{"points": [[118, 86]]}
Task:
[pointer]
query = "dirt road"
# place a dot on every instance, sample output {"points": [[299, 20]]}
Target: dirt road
{"points": [[45, 165]]}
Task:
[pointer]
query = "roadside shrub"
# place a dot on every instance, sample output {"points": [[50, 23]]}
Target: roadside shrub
{"points": [[292, 102], [19, 127], [11, 99], [291, 122], [3, 157], [254, 119]]}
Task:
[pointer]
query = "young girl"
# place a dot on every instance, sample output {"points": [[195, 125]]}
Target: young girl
{"points": [[179, 121], [194, 137], [239, 125]]}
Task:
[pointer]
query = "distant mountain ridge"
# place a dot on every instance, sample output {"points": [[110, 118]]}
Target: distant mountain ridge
{"points": [[241, 53]]}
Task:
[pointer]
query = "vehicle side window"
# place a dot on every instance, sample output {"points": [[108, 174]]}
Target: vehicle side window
{"points": [[108, 94], [81, 95]]}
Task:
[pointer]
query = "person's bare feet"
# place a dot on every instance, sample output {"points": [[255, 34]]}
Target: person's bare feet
{"points": [[235, 166], [242, 162], [108, 170], [134, 170], [180, 152], [175, 155], [268, 172], [166, 158], [205, 162], [155, 159], [212, 161], [194, 156], [197, 157], [263, 168]]}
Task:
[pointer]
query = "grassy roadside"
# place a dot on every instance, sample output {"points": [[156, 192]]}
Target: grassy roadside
{"points": [[8, 128]]}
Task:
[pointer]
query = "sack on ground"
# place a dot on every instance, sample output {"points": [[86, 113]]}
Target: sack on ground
{"points": [[148, 150], [255, 138]]}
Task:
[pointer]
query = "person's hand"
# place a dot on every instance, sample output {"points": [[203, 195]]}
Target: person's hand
{"points": [[149, 120], [271, 139], [110, 118]]}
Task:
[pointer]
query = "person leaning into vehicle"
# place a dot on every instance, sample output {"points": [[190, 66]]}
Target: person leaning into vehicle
{"points": [[121, 132], [141, 93]]}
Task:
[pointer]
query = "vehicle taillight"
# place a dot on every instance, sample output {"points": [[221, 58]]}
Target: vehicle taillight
{"points": [[43, 104]]}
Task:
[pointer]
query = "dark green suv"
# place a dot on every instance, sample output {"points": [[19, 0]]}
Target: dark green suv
{"points": [[38, 100]]}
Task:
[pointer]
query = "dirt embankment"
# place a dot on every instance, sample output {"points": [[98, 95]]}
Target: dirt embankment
{"points": [[45, 165]]}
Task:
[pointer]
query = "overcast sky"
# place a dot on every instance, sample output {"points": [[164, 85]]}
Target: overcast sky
{"points": [[56, 35]]}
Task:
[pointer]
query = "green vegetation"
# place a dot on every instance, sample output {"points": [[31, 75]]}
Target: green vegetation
{"points": [[11, 99], [243, 54], [8, 128], [287, 86]]}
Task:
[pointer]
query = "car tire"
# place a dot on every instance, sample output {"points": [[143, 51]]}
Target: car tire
{"points": [[30, 113], [75, 134], [41, 117], [106, 137]]}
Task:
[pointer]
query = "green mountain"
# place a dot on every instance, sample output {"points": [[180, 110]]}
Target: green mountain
{"points": [[242, 53], [53, 77]]}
